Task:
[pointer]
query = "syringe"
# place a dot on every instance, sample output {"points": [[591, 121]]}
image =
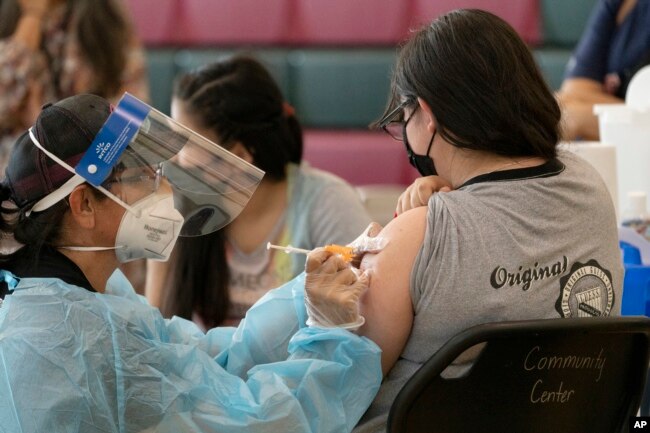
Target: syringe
{"points": [[346, 253]]}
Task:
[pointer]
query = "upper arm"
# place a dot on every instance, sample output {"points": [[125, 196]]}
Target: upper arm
{"points": [[585, 91], [387, 304]]}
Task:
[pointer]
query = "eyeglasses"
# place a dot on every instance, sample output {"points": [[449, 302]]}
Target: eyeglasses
{"points": [[147, 178], [393, 123], [397, 130]]}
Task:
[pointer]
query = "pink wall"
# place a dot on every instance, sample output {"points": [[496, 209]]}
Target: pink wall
{"points": [[308, 22], [360, 157]]}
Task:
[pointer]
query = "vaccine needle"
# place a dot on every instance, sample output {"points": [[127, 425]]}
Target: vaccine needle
{"points": [[346, 253], [288, 249]]}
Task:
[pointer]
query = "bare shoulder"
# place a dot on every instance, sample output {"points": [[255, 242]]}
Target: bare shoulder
{"points": [[387, 304], [403, 237]]}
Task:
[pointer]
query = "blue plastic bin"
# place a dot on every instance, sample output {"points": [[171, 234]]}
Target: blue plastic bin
{"points": [[636, 283], [631, 254]]}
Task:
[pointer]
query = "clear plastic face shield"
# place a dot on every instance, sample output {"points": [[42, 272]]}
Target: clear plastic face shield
{"points": [[140, 151], [149, 163]]}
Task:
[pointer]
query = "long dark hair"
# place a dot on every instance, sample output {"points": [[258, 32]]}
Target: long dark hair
{"points": [[482, 84], [240, 102], [101, 28]]}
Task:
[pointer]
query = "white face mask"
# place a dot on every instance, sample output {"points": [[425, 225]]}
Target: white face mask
{"points": [[152, 235]]}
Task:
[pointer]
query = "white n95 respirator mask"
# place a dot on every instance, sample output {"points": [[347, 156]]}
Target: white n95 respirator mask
{"points": [[153, 234], [148, 233]]}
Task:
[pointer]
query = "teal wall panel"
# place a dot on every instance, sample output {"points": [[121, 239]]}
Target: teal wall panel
{"points": [[564, 20], [340, 88], [552, 62], [161, 70]]}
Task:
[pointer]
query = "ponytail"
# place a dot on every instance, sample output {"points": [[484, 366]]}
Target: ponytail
{"points": [[36, 230], [6, 228], [294, 139]]}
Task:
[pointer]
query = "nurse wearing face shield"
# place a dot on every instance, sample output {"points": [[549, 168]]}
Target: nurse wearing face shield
{"points": [[89, 187]]}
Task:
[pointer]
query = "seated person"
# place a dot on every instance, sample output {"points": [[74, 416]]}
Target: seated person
{"points": [[614, 45], [517, 230], [214, 279]]}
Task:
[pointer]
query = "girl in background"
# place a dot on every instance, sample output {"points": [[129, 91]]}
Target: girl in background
{"points": [[214, 279]]}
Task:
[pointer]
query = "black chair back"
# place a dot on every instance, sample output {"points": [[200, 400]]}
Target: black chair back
{"points": [[566, 375]]}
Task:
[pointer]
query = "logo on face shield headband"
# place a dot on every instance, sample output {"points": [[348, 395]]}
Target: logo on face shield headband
{"points": [[153, 234], [102, 148]]}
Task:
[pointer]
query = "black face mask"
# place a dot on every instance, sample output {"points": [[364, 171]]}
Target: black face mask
{"points": [[423, 163]]}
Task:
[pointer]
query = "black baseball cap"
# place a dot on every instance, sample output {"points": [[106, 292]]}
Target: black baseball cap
{"points": [[66, 129]]}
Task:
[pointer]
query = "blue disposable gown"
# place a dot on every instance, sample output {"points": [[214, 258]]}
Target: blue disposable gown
{"points": [[76, 361]]}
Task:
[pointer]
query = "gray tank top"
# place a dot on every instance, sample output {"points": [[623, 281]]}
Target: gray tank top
{"points": [[529, 243]]}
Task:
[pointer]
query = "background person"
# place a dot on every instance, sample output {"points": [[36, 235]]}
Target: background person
{"points": [[52, 49], [215, 279], [80, 351], [614, 45]]}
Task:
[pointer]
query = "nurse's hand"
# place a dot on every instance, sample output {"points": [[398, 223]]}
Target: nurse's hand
{"points": [[368, 241], [332, 291], [420, 191]]}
